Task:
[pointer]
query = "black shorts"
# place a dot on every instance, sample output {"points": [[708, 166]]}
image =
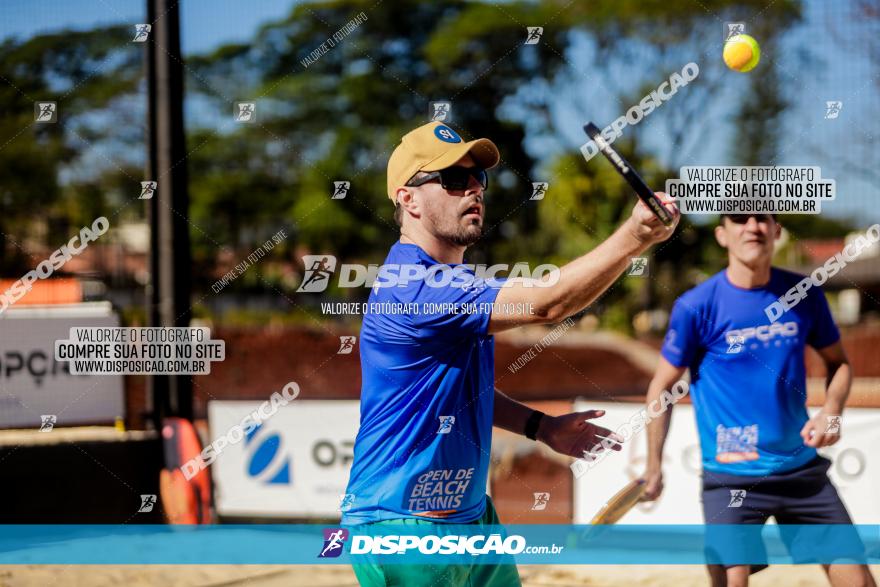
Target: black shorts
{"points": [[801, 496]]}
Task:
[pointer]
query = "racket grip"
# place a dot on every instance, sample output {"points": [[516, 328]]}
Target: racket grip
{"points": [[657, 207]]}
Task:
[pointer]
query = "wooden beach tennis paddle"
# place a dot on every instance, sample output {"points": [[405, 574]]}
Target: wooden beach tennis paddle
{"points": [[622, 501]]}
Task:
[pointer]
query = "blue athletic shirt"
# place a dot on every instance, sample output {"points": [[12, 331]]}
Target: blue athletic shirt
{"points": [[748, 378], [427, 399]]}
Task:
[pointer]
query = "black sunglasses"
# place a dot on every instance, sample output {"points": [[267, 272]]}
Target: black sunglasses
{"points": [[454, 178], [744, 218]]}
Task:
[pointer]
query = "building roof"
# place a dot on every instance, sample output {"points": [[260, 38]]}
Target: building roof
{"points": [[60, 290]]}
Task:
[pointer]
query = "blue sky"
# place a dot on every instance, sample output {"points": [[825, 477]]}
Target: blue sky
{"points": [[839, 72], [205, 23]]}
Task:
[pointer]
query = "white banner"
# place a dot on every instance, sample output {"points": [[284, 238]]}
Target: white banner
{"points": [[295, 464], [33, 384], [855, 470]]}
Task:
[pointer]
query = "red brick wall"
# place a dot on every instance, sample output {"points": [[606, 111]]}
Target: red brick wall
{"points": [[262, 360]]}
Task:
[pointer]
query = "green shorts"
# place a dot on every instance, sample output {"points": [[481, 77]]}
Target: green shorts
{"points": [[475, 575]]}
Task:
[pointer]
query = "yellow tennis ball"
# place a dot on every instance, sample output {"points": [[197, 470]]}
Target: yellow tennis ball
{"points": [[741, 53]]}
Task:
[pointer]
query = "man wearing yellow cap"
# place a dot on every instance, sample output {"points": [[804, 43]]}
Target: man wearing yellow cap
{"points": [[428, 399]]}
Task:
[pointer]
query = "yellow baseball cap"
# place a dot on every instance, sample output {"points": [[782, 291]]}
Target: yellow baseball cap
{"points": [[432, 147]]}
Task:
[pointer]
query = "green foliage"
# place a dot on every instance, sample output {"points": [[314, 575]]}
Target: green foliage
{"points": [[84, 72]]}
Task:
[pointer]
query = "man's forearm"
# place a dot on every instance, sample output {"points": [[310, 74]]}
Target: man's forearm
{"points": [[579, 284], [576, 285], [657, 428], [838, 385], [584, 279], [510, 414]]}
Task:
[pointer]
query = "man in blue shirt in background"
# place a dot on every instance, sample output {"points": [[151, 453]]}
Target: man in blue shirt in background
{"points": [[748, 387], [428, 400]]}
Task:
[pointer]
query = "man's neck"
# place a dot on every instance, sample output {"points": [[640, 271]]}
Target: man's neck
{"points": [[746, 276], [441, 250]]}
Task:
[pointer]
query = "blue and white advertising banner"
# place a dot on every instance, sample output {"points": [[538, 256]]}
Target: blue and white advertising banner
{"points": [[295, 463]]}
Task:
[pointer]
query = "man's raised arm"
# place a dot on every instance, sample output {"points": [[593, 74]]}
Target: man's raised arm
{"points": [[584, 279]]}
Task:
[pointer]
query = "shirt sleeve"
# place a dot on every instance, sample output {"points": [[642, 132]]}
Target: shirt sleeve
{"points": [[823, 330], [683, 338], [460, 308]]}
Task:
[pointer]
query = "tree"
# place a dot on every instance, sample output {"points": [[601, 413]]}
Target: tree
{"points": [[43, 176]]}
